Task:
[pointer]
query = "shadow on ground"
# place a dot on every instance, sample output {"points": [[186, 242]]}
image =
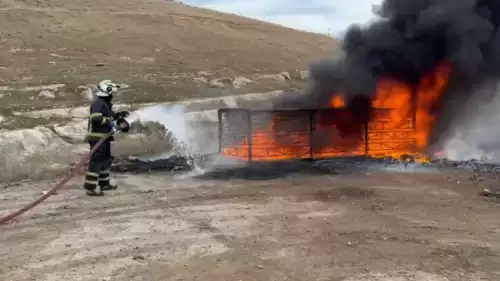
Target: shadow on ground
{"points": [[212, 167], [214, 170], [282, 169]]}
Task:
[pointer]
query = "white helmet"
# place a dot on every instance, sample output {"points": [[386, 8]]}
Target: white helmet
{"points": [[106, 88]]}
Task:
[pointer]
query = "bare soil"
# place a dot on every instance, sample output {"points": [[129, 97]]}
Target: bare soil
{"points": [[340, 225], [335, 225], [157, 47]]}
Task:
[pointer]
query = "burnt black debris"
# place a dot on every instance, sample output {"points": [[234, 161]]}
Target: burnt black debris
{"points": [[409, 40], [256, 170], [134, 165]]}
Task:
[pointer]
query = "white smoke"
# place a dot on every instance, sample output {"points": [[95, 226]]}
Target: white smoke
{"points": [[477, 134]]}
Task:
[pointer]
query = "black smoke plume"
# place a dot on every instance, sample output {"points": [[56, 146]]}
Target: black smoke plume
{"points": [[409, 39]]}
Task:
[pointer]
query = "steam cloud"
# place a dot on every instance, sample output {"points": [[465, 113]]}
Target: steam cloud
{"points": [[410, 38]]}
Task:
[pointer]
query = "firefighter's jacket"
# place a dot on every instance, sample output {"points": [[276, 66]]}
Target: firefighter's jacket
{"points": [[101, 116]]}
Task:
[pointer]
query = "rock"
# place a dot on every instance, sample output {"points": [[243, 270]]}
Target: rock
{"points": [[216, 84], [277, 77], [73, 132], [57, 55], [286, 75], [2, 96], [138, 258], [51, 87], [29, 141], [47, 95], [226, 79], [204, 73], [241, 81], [202, 80], [86, 92], [15, 50], [219, 83]]}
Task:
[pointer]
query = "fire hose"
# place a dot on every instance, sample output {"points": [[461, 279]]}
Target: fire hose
{"points": [[123, 124], [73, 172]]}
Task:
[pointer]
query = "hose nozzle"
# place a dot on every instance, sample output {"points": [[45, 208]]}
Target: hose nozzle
{"points": [[123, 124]]}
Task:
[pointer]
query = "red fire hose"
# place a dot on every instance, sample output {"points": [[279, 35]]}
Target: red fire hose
{"points": [[58, 186]]}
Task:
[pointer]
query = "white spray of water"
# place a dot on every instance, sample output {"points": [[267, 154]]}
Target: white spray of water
{"points": [[173, 118], [175, 121]]}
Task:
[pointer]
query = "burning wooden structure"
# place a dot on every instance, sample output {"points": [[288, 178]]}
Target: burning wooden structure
{"points": [[267, 135], [400, 122]]}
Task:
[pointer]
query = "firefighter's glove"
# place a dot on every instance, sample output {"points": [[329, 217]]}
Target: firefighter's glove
{"points": [[113, 127]]}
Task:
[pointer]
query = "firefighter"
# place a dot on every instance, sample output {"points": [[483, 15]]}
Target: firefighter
{"points": [[102, 124]]}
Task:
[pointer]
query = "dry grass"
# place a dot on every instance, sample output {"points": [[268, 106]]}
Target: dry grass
{"points": [[155, 46]]}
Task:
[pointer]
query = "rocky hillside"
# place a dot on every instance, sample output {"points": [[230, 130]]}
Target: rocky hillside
{"points": [[164, 50], [52, 53]]}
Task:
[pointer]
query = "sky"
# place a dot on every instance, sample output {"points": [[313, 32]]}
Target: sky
{"points": [[320, 16]]}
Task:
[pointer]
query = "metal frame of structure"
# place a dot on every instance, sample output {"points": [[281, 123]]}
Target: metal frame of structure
{"points": [[249, 134]]}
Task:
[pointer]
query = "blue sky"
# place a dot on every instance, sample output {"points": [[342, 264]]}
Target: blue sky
{"points": [[321, 16]]}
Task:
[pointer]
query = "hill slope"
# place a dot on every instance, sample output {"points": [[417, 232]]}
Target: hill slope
{"points": [[144, 43]]}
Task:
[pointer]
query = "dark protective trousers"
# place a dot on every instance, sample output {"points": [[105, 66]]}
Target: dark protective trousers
{"points": [[99, 166]]}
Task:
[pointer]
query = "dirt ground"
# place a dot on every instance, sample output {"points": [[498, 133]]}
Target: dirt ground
{"points": [[148, 41], [157, 47], [338, 224]]}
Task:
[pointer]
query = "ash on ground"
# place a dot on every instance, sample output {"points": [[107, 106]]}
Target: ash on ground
{"points": [[135, 165]]}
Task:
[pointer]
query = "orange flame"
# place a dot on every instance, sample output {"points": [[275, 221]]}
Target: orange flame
{"points": [[337, 102], [401, 137], [397, 96], [430, 89]]}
